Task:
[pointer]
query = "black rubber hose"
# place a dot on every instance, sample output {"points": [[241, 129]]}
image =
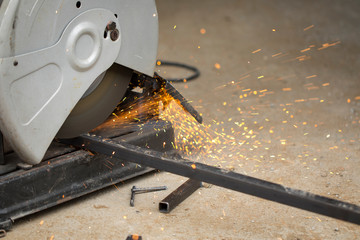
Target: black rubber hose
{"points": [[196, 72]]}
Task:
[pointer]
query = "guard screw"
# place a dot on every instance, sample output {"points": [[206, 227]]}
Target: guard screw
{"points": [[114, 35]]}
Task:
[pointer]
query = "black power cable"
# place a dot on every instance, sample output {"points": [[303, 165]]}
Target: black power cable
{"points": [[196, 72]]}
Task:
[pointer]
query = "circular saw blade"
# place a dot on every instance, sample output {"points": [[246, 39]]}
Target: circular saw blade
{"points": [[93, 109]]}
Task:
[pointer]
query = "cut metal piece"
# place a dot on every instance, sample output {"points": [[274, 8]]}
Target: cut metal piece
{"points": [[184, 103], [179, 195], [223, 178], [93, 109], [155, 84]]}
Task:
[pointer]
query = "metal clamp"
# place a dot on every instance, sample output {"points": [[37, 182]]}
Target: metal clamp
{"points": [[135, 190]]}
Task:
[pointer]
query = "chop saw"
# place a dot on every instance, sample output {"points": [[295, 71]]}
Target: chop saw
{"points": [[66, 64], [64, 67]]}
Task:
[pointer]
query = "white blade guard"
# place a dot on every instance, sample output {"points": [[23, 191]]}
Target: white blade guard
{"points": [[39, 88]]}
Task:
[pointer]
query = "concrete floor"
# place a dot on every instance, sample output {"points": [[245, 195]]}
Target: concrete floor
{"points": [[298, 64]]}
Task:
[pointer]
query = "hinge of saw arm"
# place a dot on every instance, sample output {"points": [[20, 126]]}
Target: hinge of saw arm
{"points": [[2, 154]]}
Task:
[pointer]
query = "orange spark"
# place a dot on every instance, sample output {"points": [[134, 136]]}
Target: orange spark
{"points": [[242, 78], [277, 54], [256, 51], [309, 27], [305, 50], [313, 88], [303, 58], [312, 76], [326, 45]]}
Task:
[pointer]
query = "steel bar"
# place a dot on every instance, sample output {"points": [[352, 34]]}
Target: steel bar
{"points": [[221, 177], [179, 195]]}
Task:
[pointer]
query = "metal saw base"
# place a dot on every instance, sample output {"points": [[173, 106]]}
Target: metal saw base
{"points": [[67, 173]]}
